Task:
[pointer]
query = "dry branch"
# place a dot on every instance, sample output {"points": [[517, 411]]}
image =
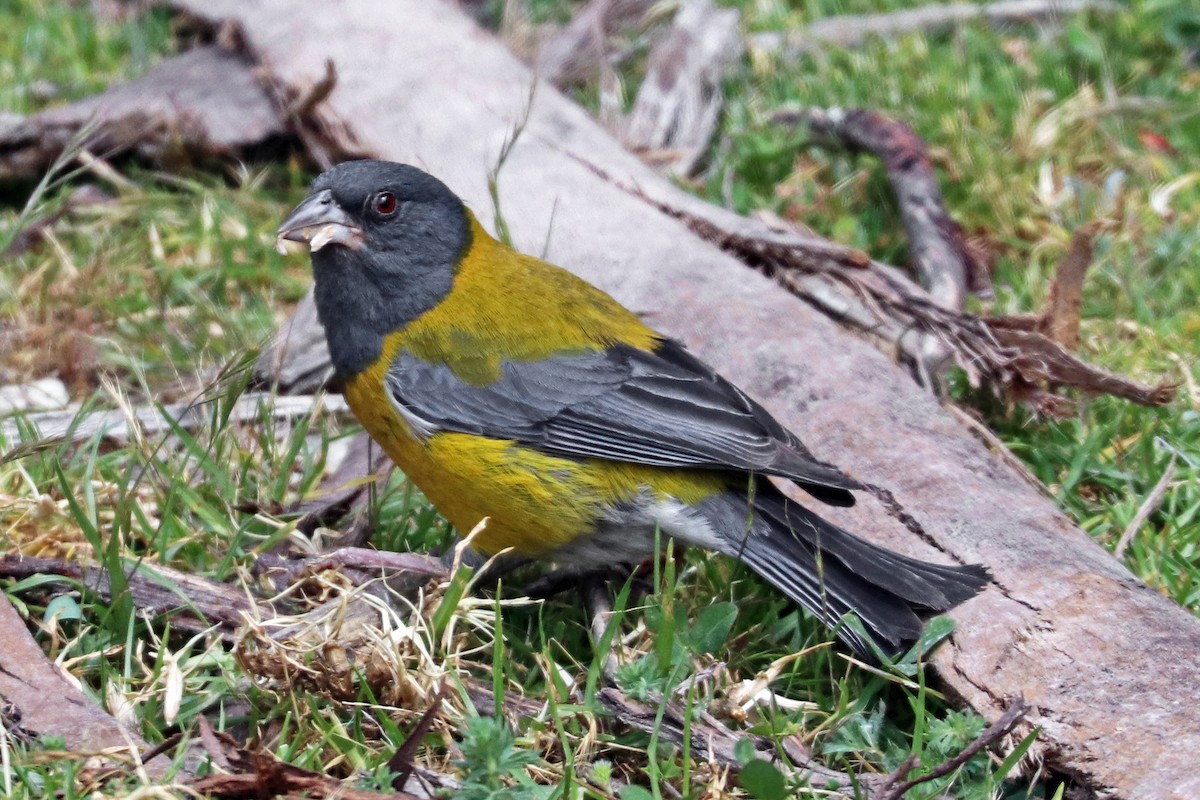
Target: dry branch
{"points": [[1005, 354], [193, 603], [947, 265], [713, 742], [854, 31], [576, 53], [1102, 659], [898, 784], [679, 102], [204, 103]]}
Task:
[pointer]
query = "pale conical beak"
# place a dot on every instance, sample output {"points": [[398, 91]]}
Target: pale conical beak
{"points": [[319, 221]]}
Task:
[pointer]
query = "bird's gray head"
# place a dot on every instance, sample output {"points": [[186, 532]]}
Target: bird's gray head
{"points": [[386, 240]]}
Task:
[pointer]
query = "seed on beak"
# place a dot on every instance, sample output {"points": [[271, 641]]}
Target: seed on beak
{"points": [[318, 222]]}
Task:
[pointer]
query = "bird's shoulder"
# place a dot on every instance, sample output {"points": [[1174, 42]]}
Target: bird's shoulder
{"points": [[506, 306]]}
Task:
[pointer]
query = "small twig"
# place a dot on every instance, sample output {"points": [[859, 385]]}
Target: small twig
{"points": [[404, 759], [712, 741], [912, 762], [854, 31], [1148, 507], [948, 266], [893, 790], [600, 607]]}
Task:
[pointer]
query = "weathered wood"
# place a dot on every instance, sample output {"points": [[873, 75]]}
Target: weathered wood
{"points": [[575, 54], [1107, 664], [677, 107], [54, 426], [202, 103], [854, 31], [40, 701]]}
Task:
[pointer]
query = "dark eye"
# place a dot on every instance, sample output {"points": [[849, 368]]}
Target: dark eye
{"points": [[385, 204]]}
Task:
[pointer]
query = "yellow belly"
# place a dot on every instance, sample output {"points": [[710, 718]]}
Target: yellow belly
{"points": [[536, 503]]}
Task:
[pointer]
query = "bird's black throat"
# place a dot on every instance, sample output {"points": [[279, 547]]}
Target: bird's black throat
{"points": [[359, 304]]}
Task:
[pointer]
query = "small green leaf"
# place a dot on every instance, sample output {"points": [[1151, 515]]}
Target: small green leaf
{"points": [[743, 751], [935, 631], [713, 626], [455, 590], [762, 780], [62, 607], [632, 792], [1016, 755]]}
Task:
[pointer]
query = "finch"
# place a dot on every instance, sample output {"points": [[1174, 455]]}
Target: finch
{"points": [[508, 388]]}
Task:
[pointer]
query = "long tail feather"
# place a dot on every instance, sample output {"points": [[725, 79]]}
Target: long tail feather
{"points": [[832, 572]]}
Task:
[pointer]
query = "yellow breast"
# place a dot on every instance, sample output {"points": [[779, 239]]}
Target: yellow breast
{"points": [[507, 306]]}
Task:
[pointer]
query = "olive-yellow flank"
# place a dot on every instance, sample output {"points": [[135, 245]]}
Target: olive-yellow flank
{"points": [[508, 388]]}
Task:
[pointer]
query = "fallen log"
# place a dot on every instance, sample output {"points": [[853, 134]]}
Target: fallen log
{"points": [[204, 103], [1106, 664]]}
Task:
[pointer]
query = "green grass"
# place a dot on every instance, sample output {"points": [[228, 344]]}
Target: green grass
{"points": [[55, 51], [164, 289]]}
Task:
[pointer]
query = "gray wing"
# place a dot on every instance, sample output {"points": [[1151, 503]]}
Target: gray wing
{"points": [[665, 408]]}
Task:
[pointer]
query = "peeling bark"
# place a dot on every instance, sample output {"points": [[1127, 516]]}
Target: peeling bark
{"points": [[678, 105], [38, 700]]}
